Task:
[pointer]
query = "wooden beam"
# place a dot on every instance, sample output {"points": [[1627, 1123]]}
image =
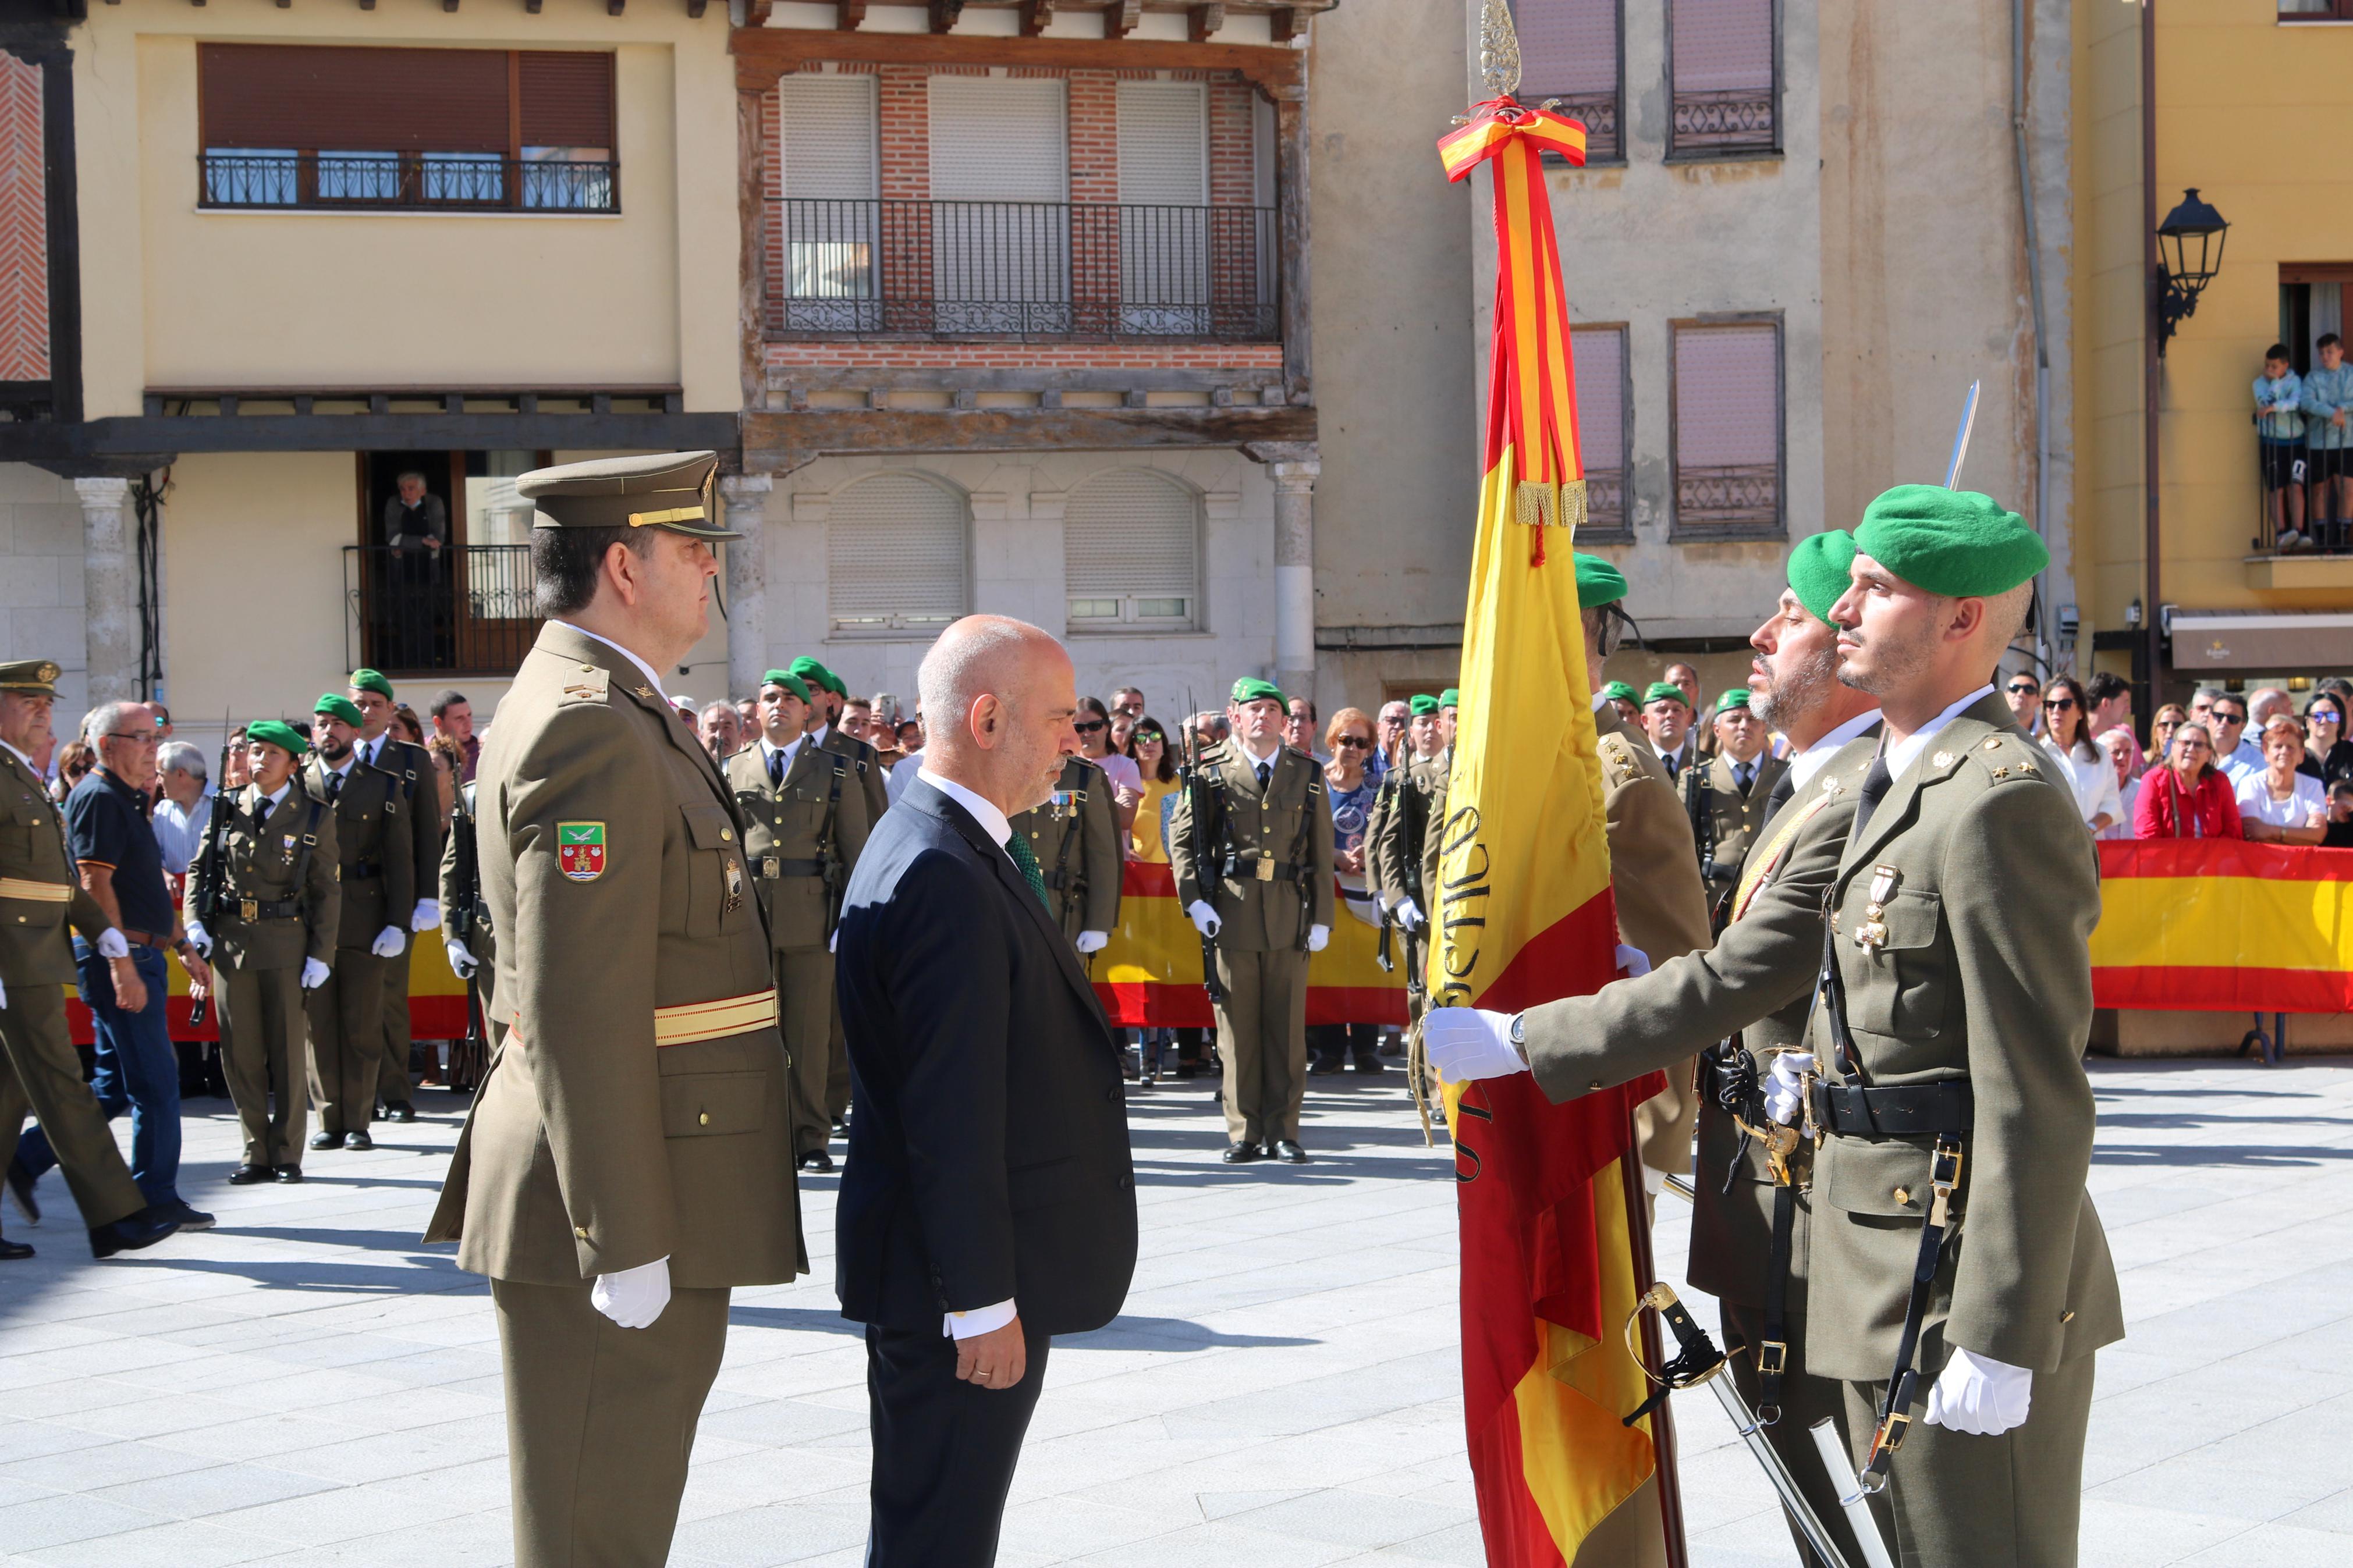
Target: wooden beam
{"points": [[1291, 143], [1203, 22], [762, 54], [778, 441], [850, 15], [1120, 16], [1287, 23], [1037, 15], [945, 14]]}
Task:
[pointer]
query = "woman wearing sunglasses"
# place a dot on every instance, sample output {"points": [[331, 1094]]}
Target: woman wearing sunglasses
{"points": [[2327, 754], [1350, 740], [2066, 735], [2189, 797]]}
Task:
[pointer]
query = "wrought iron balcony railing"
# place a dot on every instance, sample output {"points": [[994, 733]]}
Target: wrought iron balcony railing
{"points": [[462, 608], [1728, 497], [1736, 120], [1598, 112], [396, 182], [1024, 269]]}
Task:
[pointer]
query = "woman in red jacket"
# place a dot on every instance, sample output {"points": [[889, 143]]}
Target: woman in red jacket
{"points": [[2189, 797]]}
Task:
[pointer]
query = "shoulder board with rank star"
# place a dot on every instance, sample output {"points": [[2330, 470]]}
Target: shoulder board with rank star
{"points": [[587, 683]]}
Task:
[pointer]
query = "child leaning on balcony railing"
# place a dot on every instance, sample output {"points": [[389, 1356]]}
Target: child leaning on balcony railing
{"points": [[2280, 429]]}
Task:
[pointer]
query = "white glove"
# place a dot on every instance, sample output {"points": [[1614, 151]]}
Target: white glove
{"points": [[1980, 1395], [1091, 940], [110, 945], [462, 963], [1316, 938], [1409, 915], [1466, 1042], [1632, 962], [635, 1296], [427, 915], [1783, 1100], [201, 938], [1205, 918], [314, 973], [388, 943]]}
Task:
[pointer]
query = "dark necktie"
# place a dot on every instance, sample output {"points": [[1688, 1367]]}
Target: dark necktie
{"points": [[1018, 847], [1783, 788], [1744, 775], [1875, 785], [334, 787], [775, 770], [1265, 774]]}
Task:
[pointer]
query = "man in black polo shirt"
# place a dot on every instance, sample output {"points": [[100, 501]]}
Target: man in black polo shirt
{"points": [[122, 868]]}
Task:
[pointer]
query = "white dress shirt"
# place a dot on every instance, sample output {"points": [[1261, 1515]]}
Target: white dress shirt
{"points": [[2093, 780], [1902, 754], [770, 750], [643, 667], [2244, 760], [1814, 758], [980, 1320], [1674, 759]]}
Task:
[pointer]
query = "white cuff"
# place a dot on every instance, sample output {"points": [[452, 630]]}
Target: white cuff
{"points": [[979, 1321]]}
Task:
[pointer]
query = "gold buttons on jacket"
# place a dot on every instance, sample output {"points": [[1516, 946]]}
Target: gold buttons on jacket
{"points": [[581, 1231], [702, 1119], [726, 835], [1904, 1194]]}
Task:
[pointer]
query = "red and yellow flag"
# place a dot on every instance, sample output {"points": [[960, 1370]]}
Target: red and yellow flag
{"points": [[1525, 916]]}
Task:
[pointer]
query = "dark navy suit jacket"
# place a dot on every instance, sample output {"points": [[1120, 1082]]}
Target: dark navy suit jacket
{"points": [[989, 1154]]}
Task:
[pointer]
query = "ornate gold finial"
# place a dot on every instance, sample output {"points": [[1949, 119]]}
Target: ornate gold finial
{"points": [[1499, 49]]}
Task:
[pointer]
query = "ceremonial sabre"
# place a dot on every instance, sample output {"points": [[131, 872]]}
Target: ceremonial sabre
{"points": [[1961, 436], [1852, 1497]]}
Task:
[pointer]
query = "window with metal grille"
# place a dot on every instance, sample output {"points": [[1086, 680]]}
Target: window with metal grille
{"points": [[831, 179], [1132, 553], [1163, 207], [1604, 422], [1725, 410], [1570, 50], [897, 556], [1724, 72]]}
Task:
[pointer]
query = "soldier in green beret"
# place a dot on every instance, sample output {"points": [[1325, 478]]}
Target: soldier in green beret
{"points": [[1400, 847], [1626, 700], [828, 695], [380, 747], [805, 824], [1727, 796], [1667, 719], [1254, 873]]}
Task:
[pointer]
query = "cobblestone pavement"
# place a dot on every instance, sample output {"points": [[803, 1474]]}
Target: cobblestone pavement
{"points": [[306, 1385]]}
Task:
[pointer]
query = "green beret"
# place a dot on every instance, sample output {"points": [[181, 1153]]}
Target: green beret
{"points": [[1818, 571], [1620, 691], [285, 737], [1955, 543], [1736, 698], [337, 707], [788, 680], [1598, 582], [1660, 690], [373, 680], [1251, 688], [809, 669], [1450, 698], [1423, 704]]}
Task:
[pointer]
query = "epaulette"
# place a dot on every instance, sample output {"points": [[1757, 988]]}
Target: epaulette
{"points": [[1618, 762], [590, 683], [2006, 757]]}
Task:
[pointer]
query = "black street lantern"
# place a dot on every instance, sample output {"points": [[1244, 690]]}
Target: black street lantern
{"points": [[2190, 252]]}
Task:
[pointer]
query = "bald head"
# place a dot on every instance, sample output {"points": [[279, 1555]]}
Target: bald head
{"points": [[998, 696]]}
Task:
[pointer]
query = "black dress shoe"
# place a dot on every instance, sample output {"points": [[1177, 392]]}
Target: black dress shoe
{"points": [[1241, 1153], [816, 1160], [288, 1174], [10, 1251], [326, 1140], [131, 1233], [1371, 1066], [20, 1188], [1323, 1069], [187, 1215], [404, 1112], [358, 1141], [1288, 1151], [246, 1175]]}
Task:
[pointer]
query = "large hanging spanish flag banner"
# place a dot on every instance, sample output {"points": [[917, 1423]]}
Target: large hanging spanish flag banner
{"points": [[2219, 923], [1547, 1193]]}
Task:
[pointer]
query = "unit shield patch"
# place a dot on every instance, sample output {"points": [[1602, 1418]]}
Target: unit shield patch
{"points": [[580, 849]]}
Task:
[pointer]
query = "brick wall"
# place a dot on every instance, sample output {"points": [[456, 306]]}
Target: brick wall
{"points": [[24, 226]]}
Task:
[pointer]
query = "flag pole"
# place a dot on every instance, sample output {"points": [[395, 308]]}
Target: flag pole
{"points": [[1662, 1420]]}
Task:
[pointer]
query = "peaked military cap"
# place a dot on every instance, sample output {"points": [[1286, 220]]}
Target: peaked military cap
{"points": [[33, 676], [666, 490]]}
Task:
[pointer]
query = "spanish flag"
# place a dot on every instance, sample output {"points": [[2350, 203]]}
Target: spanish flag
{"points": [[1547, 1193]]}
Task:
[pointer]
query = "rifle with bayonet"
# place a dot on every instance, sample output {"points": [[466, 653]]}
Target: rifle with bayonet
{"points": [[467, 917], [1188, 780], [213, 868]]}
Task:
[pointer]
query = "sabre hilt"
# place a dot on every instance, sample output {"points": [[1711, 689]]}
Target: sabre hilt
{"points": [[1697, 1359]]}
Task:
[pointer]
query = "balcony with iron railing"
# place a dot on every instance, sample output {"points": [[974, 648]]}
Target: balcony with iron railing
{"points": [[464, 608], [1728, 499], [407, 182], [1025, 270], [1725, 122]]}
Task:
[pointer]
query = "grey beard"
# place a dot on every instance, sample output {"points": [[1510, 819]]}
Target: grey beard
{"points": [[1796, 693]]}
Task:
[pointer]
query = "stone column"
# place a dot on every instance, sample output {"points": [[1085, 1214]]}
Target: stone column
{"points": [[109, 582], [1294, 574], [745, 500]]}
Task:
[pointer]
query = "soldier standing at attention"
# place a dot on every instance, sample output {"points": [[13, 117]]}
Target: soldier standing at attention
{"points": [[376, 853], [41, 895], [271, 937], [1254, 873], [1394, 841], [1075, 837], [628, 1158], [830, 695], [472, 944], [1729, 795], [805, 824], [1750, 1208], [420, 801]]}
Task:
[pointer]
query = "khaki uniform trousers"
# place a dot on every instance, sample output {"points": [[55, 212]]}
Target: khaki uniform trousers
{"points": [[1262, 1036], [600, 1421], [346, 1020], [1954, 1501], [394, 1086], [262, 1027], [41, 1069], [1805, 1399], [804, 1008]]}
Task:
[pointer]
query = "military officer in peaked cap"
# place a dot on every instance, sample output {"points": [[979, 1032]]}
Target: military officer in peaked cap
{"points": [[628, 1158]]}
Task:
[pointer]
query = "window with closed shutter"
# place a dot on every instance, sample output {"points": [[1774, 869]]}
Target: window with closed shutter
{"points": [[896, 556], [1569, 50], [1132, 553], [1726, 410], [1723, 70], [999, 211], [1164, 199], [1598, 356], [830, 179]]}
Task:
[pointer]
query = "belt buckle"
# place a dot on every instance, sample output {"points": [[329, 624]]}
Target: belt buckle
{"points": [[1772, 1357], [248, 909], [1264, 870], [771, 868], [1944, 1176]]}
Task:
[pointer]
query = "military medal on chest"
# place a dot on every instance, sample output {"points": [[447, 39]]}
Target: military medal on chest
{"points": [[1871, 934], [734, 884]]}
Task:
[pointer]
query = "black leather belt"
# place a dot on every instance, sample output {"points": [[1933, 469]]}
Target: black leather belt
{"points": [[363, 871], [773, 869], [1907, 1111], [1059, 879], [1250, 866], [269, 909]]}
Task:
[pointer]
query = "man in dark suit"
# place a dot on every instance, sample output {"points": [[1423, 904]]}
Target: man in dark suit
{"points": [[964, 1243]]}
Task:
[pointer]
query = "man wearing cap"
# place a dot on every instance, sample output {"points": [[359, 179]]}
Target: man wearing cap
{"points": [[1074, 836], [1727, 796], [271, 935], [380, 749], [375, 856], [629, 1157], [829, 695], [1627, 700], [805, 824], [41, 898], [1254, 873], [1667, 719], [1750, 991]]}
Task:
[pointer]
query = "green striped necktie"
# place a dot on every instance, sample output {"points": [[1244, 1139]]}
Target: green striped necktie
{"points": [[1018, 847]]}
